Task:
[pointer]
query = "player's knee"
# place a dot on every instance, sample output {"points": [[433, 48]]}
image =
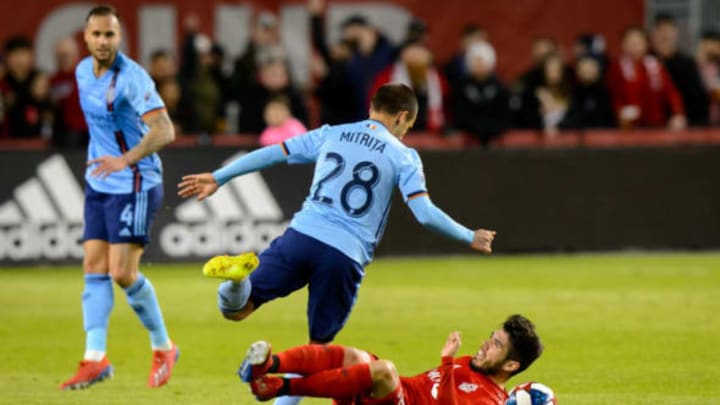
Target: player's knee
{"points": [[355, 356], [95, 265], [384, 374], [122, 275]]}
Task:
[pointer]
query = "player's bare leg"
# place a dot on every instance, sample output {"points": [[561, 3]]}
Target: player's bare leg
{"points": [[124, 261]]}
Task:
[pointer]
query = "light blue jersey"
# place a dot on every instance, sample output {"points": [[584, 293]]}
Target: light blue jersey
{"points": [[114, 105], [357, 168]]}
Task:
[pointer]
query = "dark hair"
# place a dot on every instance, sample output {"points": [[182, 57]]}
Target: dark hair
{"points": [[17, 42], [471, 29], [355, 19], [393, 98], [159, 54], [710, 35], [525, 345], [280, 98], [663, 18], [103, 10]]}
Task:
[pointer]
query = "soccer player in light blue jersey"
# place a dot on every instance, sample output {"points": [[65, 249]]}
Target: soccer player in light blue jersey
{"points": [[334, 236], [128, 124]]}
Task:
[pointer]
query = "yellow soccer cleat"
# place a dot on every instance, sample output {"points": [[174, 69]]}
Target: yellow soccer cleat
{"points": [[234, 268]]}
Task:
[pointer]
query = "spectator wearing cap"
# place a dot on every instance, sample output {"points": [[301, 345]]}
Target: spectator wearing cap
{"points": [[590, 104], [69, 127], [264, 44], [372, 53], [708, 59], [414, 68], [592, 45], [641, 88], [479, 99], [21, 116], [456, 69], [335, 90], [682, 69]]}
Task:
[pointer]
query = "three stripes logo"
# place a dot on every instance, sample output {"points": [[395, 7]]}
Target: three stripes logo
{"points": [[241, 216], [43, 219]]}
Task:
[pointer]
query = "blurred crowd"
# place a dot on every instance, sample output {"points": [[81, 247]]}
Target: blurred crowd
{"points": [[652, 83]]}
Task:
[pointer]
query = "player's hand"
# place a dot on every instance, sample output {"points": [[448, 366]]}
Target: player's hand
{"points": [[107, 164], [202, 185], [482, 241], [452, 344]]}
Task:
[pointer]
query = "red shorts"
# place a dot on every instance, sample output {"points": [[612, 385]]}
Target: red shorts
{"points": [[406, 393]]}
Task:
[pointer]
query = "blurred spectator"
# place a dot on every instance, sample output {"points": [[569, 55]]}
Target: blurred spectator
{"points": [[590, 104], [171, 94], [39, 113], [682, 69], [264, 44], [69, 128], [21, 116], [553, 94], [593, 45], [334, 88], [524, 104], [416, 31], [273, 80], [414, 68], [162, 67], [201, 93], [708, 59], [456, 69], [479, 99], [641, 89], [372, 53], [280, 124]]}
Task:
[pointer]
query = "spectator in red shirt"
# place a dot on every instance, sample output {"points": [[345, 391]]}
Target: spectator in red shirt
{"points": [[641, 89], [69, 126], [414, 67]]}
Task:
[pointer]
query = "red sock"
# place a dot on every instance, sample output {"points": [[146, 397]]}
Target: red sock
{"points": [[338, 383], [310, 359]]}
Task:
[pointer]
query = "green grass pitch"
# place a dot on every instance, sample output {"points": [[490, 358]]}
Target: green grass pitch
{"points": [[618, 328]]}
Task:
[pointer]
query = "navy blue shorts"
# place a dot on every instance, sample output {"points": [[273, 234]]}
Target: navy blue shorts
{"points": [[121, 218], [294, 260]]}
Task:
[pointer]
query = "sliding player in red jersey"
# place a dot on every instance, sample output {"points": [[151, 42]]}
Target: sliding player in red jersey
{"points": [[353, 376]]}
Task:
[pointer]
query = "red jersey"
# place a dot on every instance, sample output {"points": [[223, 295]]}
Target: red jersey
{"points": [[647, 85], [454, 382]]}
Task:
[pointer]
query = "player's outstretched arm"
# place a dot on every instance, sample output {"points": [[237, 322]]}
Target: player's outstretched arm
{"points": [[446, 389], [160, 134], [432, 217], [204, 185]]}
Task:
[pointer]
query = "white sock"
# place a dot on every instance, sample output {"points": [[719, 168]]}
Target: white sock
{"points": [[167, 346], [93, 355]]}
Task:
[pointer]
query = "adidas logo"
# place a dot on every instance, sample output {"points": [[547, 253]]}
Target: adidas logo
{"points": [[44, 218], [241, 216]]}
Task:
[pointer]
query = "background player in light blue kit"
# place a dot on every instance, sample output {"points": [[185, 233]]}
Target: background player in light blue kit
{"points": [[333, 237], [128, 124]]}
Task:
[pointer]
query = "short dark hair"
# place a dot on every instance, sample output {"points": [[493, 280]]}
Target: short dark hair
{"points": [[355, 19], [103, 10], [710, 35], [663, 18], [17, 42], [525, 345], [392, 98]]}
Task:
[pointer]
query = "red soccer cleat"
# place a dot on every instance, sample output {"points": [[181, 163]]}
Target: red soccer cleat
{"points": [[266, 387], [163, 363], [89, 372], [257, 362]]}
